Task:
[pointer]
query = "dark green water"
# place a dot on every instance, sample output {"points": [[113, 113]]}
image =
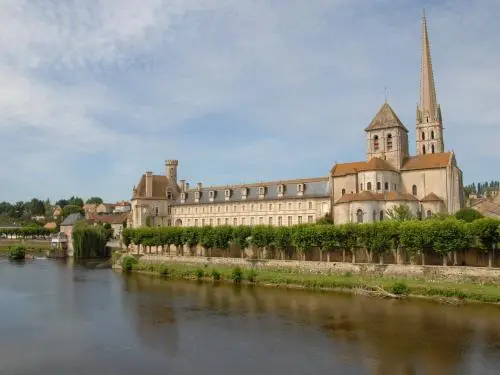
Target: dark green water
{"points": [[57, 318]]}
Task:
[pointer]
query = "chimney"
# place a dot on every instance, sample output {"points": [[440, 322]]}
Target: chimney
{"points": [[182, 184], [149, 184], [186, 186], [199, 186]]}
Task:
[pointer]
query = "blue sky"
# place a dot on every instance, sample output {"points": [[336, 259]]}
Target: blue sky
{"points": [[93, 93]]}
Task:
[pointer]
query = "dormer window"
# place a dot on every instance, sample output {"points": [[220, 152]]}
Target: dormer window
{"points": [[244, 193], [197, 196], [281, 190], [169, 194], [211, 195], [262, 191], [227, 194], [183, 197], [300, 189]]}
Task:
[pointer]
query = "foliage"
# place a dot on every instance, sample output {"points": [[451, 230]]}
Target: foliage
{"points": [[216, 276], [128, 263], [17, 252], [200, 273], [400, 288], [89, 241], [327, 219], [237, 275], [486, 232], [400, 212], [94, 200], [127, 234], [72, 209], [251, 275], [468, 215], [262, 236]]}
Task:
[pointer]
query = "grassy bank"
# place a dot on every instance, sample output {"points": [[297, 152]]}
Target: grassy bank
{"points": [[370, 285], [32, 246]]}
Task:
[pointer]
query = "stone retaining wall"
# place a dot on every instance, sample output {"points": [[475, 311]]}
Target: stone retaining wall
{"points": [[451, 273]]}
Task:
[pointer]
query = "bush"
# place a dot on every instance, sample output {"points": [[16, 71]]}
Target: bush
{"points": [[468, 215], [215, 275], [200, 273], [237, 275], [164, 271], [400, 288], [17, 252], [128, 263], [252, 275]]}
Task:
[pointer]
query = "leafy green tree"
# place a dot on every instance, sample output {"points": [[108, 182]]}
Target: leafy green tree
{"points": [[241, 235], [72, 209], [304, 238], [328, 240], [416, 237], [262, 237], [449, 236], [207, 239], [62, 203], [468, 215], [75, 201], [223, 236], [327, 219], [348, 239], [486, 232], [400, 212], [282, 240], [191, 237], [94, 200]]}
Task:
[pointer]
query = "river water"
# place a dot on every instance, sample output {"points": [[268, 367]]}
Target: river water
{"points": [[58, 318]]}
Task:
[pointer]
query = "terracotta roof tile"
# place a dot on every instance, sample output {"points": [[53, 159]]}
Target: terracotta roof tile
{"points": [[374, 164], [366, 196], [427, 161], [431, 198], [111, 219]]}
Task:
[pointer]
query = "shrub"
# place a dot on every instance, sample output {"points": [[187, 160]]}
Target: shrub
{"points": [[164, 271], [17, 252], [237, 275], [468, 215], [252, 275], [400, 288], [215, 275], [128, 263], [200, 273]]}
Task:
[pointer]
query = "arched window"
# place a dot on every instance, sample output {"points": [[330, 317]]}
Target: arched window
{"points": [[414, 189], [386, 186], [423, 149], [379, 186], [381, 215], [375, 143], [359, 216], [374, 215], [369, 186], [429, 213], [432, 148], [389, 142], [343, 191], [361, 186], [432, 134], [423, 136]]}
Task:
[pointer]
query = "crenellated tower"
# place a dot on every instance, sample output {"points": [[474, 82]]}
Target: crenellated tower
{"points": [[429, 121]]}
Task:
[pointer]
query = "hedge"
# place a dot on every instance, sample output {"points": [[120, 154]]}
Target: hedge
{"points": [[441, 236]]}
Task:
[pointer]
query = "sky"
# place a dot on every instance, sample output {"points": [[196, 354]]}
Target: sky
{"points": [[94, 93]]}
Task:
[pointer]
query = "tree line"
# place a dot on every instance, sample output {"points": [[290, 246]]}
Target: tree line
{"points": [[411, 237], [29, 231], [481, 188]]}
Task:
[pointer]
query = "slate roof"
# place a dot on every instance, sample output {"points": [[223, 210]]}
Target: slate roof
{"points": [[71, 219], [160, 185], [385, 118], [374, 164], [313, 188], [366, 196]]}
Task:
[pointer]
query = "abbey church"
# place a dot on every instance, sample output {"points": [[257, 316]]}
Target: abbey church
{"points": [[428, 182]]}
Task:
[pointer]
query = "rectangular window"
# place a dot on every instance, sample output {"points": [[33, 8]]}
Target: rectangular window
{"points": [[270, 220], [210, 208], [218, 221], [243, 207], [261, 220], [203, 222], [280, 221], [279, 206], [242, 221], [310, 219], [251, 221], [227, 209], [290, 206], [289, 220], [195, 222], [300, 205], [299, 219], [226, 221], [310, 205], [261, 207], [211, 222], [235, 221]]}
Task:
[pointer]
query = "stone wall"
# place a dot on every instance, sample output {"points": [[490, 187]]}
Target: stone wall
{"points": [[450, 273]]}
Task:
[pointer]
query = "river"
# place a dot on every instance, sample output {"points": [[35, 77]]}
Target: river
{"points": [[58, 318]]}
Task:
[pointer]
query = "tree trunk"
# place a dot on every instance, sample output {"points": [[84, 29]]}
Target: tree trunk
{"points": [[353, 257], [490, 258], [343, 255], [320, 255], [455, 258], [423, 258], [328, 257], [398, 255], [381, 259], [445, 260]]}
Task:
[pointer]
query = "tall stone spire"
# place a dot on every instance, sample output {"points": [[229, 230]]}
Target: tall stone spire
{"points": [[429, 121], [428, 104]]}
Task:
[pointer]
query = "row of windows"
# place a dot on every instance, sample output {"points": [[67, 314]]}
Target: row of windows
{"points": [[270, 220], [423, 135], [369, 187], [378, 215], [243, 207], [388, 142], [261, 191], [424, 150]]}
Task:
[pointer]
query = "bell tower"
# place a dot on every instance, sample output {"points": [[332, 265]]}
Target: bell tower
{"points": [[429, 121]]}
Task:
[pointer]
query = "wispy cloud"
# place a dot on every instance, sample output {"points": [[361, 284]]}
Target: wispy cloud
{"points": [[93, 93]]}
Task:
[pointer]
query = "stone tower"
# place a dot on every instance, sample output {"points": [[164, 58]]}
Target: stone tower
{"points": [[171, 170], [387, 137], [429, 122]]}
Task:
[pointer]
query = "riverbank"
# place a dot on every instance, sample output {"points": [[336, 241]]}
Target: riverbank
{"points": [[395, 287], [32, 246]]}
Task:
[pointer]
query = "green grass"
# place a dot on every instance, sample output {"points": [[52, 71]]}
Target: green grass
{"points": [[343, 282], [32, 246]]}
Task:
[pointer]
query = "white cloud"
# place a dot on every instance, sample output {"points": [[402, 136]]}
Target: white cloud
{"points": [[118, 83]]}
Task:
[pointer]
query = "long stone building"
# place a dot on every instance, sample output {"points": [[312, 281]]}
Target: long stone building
{"points": [[428, 182]]}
